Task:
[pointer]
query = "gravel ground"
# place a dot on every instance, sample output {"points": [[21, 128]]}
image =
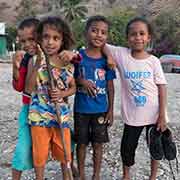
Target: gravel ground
{"points": [[10, 102]]}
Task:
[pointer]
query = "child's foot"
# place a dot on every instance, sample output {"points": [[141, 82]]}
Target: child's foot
{"points": [[125, 178], [95, 177], [152, 178], [75, 171]]}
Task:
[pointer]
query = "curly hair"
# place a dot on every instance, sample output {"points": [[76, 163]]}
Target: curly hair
{"points": [[61, 26]]}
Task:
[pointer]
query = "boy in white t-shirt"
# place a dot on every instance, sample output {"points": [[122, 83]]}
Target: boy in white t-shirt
{"points": [[143, 91]]}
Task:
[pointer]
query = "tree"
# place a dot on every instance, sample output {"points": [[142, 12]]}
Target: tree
{"points": [[73, 10], [167, 28], [26, 8], [78, 26], [11, 36], [119, 19]]}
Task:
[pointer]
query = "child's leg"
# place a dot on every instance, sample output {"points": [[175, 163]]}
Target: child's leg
{"points": [[154, 169], [41, 137], [39, 171], [154, 163], [81, 155], [64, 172], [16, 175], [73, 167], [99, 135], [82, 128], [126, 173], [58, 151], [22, 158], [129, 144], [97, 158]]}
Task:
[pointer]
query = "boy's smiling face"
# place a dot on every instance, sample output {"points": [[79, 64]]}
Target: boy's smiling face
{"points": [[97, 34], [27, 38]]}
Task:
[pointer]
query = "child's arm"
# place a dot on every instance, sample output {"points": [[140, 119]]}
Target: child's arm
{"points": [[57, 93], [89, 86], [17, 58], [110, 60], [19, 71], [70, 57], [110, 89], [161, 122], [33, 72], [31, 77]]}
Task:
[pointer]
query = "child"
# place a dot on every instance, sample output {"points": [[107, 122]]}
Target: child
{"points": [[143, 90], [22, 159], [55, 36], [93, 107]]}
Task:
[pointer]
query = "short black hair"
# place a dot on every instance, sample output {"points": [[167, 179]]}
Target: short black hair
{"points": [[139, 19], [61, 26], [96, 18], [29, 22]]}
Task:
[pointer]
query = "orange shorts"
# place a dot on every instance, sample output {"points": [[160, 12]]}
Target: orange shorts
{"points": [[48, 139]]}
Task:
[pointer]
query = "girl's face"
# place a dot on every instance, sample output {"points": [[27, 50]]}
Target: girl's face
{"points": [[51, 40], [138, 36], [97, 34], [27, 38]]}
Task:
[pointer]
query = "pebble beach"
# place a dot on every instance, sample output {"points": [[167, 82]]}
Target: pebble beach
{"points": [[10, 103]]}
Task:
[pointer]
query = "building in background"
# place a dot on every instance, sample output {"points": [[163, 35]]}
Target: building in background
{"points": [[3, 41]]}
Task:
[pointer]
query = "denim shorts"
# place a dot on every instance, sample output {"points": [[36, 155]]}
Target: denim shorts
{"points": [[90, 128], [22, 158]]}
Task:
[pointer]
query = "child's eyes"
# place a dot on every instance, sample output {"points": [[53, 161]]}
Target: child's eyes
{"points": [[137, 33], [104, 32], [56, 38], [142, 33], [94, 30], [45, 36], [99, 31], [31, 39]]}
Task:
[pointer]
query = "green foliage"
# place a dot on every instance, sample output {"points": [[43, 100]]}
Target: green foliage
{"points": [[73, 10], [78, 30], [167, 33], [11, 36], [26, 8], [119, 19]]}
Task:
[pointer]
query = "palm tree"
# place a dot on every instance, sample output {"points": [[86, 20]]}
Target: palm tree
{"points": [[73, 9]]}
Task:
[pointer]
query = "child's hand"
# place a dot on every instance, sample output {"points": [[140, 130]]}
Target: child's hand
{"points": [[17, 58], [161, 123], [111, 62], [56, 94], [90, 87], [109, 118], [39, 56], [67, 56]]}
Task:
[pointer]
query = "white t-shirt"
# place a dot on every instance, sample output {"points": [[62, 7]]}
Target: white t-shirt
{"points": [[139, 91]]}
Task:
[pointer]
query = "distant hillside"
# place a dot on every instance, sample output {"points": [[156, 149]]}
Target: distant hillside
{"points": [[8, 11]]}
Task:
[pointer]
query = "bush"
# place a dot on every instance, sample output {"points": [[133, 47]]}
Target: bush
{"points": [[167, 33], [11, 37]]}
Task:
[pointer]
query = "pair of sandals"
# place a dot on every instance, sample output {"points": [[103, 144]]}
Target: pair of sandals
{"points": [[162, 145]]}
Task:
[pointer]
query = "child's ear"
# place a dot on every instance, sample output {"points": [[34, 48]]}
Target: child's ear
{"points": [[149, 38]]}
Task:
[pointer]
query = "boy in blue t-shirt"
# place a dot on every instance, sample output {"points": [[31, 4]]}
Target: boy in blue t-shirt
{"points": [[93, 106]]}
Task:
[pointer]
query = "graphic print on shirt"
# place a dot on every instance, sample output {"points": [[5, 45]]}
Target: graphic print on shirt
{"points": [[136, 81], [96, 76]]}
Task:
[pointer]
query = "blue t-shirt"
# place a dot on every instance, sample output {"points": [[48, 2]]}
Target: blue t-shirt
{"points": [[94, 70]]}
